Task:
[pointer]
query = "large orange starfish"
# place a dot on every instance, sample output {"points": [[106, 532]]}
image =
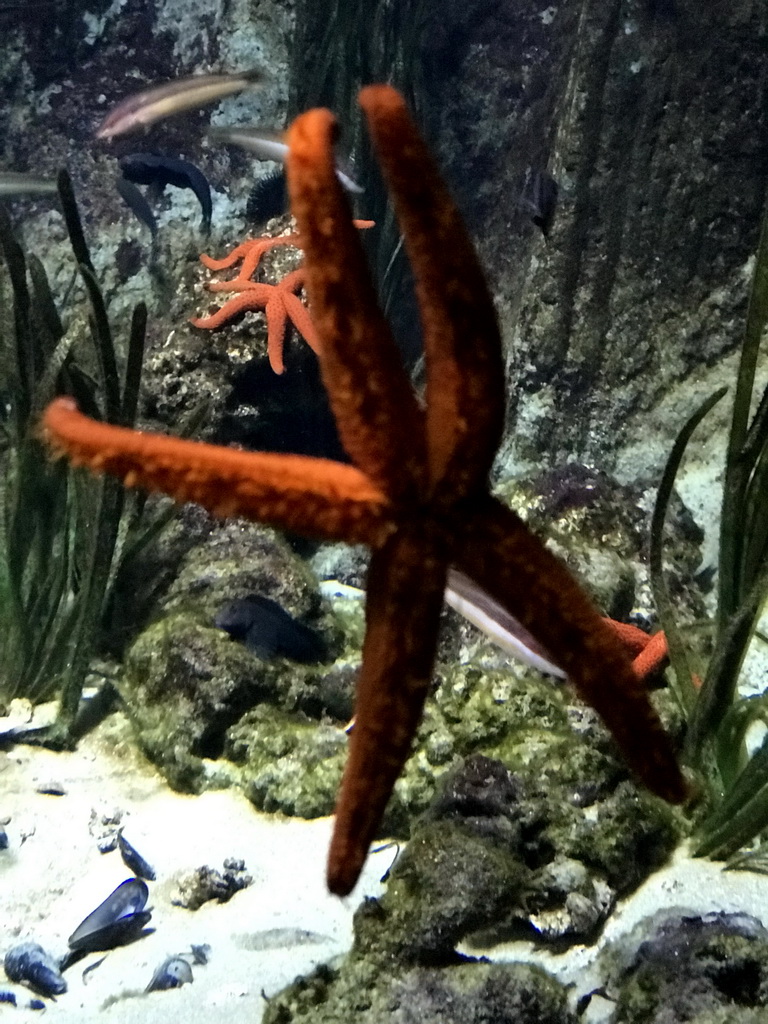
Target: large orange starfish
{"points": [[417, 493]]}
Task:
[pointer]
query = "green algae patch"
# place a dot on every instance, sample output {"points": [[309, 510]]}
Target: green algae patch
{"points": [[449, 882], [288, 763], [456, 994], [186, 684]]}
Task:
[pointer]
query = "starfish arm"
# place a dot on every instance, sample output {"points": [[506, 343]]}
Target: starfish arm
{"points": [[633, 639], [294, 281], [251, 300], [253, 257], [276, 322], [378, 417], [250, 252], [302, 321], [234, 284], [230, 259], [654, 656], [508, 561], [464, 366], [317, 497], [404, 597]]}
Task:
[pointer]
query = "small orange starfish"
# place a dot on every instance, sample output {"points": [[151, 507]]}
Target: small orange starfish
{"points": [[649, 652], [418, 491], [279, 302]]}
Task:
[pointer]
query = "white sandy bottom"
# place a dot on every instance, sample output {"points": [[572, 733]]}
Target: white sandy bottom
{"points": [[282, 925]]}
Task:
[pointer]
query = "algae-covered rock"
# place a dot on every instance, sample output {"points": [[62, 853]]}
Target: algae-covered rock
{"points": [[186, 682], [691, 968], [450, 881], [461, 993], [502, 853], [290, 763]]}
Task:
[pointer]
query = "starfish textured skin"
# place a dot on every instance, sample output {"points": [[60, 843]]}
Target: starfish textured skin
{"points": [[279, 302], [417, 493]]}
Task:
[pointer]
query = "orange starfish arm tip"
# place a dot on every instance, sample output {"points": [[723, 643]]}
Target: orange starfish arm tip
{"points": [[316, 497], [359, 359], [406, 581], [516, 569]]}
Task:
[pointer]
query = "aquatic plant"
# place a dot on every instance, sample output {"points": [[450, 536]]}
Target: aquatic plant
{"points": [[338, 48], [63, 533], [718, 719]]}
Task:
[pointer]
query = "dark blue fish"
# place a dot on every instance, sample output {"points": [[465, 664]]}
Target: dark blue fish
{"points": [[541, 202], [269, 631], [136, 201], [159, 171]]}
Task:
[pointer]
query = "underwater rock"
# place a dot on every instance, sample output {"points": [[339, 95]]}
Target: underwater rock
{"points": [[104, 827], [186, 684], [500, 854], [448, 883], [115, 922], [289, 764], [30, 964], [206, 883], [692, 968], [461, 993], [3, 839], [600, 528], [172, 973]]}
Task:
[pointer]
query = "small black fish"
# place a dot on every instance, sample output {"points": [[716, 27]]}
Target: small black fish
{"points": [[133, 859], [149, 169], [268, 198], [541, 203], [269, 631], [29, 963], [136, 201]]}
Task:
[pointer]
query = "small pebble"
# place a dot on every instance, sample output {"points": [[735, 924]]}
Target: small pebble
{"points": [[201, 954]]}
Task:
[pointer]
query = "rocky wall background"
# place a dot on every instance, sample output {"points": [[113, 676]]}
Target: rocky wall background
{"points": [[651, 115]]}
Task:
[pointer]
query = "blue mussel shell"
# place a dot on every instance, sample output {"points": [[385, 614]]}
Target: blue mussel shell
{"points": [[116, 921], [30, 964]]}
